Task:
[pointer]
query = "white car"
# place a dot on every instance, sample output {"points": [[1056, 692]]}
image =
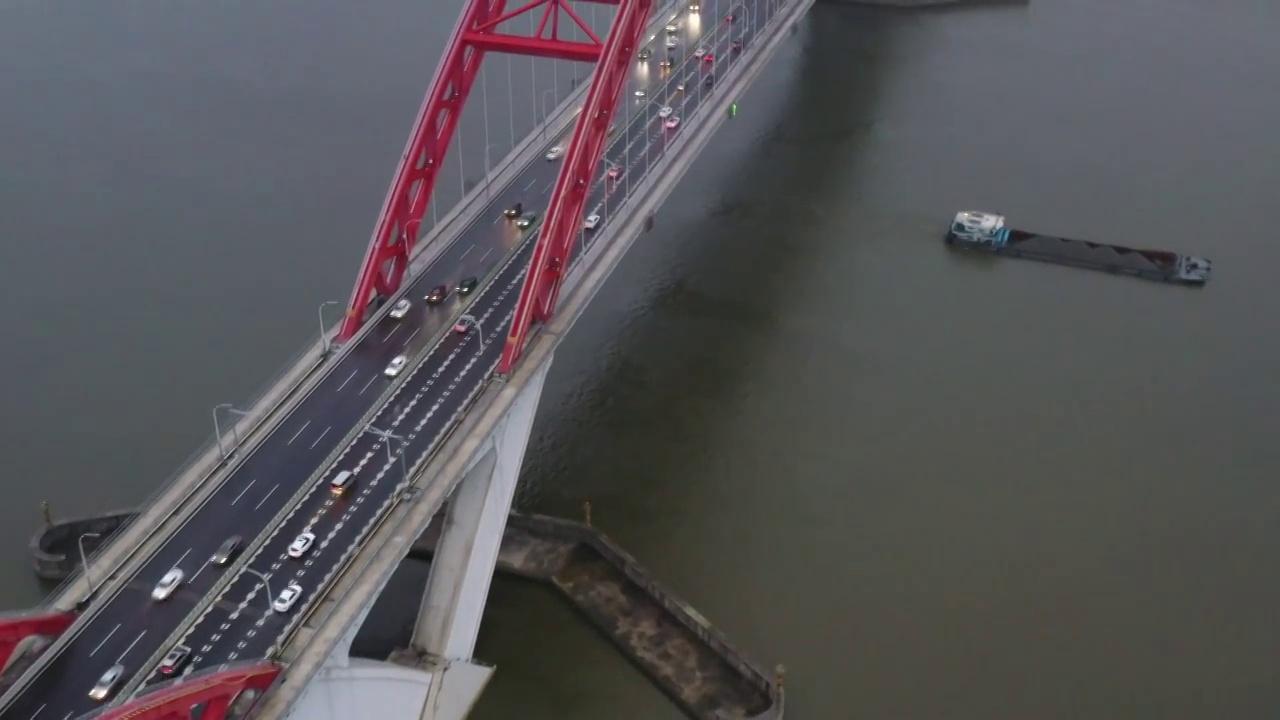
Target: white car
{"points": [[699, 52], [301, 545], [672, 123], [555, 153], [672, 29], [397, 364], [679, 87], [167, 584], [591, 222], [287, 598], [106, 685], [640, 93], [672, 42], [401, 309], [665, 111]]}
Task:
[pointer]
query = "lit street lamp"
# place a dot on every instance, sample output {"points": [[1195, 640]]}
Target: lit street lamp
{"points": [[324, 339], [217, 431], [84, 560]]}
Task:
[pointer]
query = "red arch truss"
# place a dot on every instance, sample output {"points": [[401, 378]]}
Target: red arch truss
{"points": [[18, 626], [485, 26], [215, 691]]}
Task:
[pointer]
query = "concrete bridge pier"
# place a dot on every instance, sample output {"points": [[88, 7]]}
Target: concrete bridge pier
{"points": [[464, 561]]}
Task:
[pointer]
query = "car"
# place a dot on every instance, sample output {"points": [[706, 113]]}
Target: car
{"points": [[672, 42], [169, 583], [665, 111], [526, 220], [107, 684], [395, 366], [613, 129], [342, 482], [175, 660], [514, 211], [679, 87], [735, 45], [401, 308], [693, 7], [613, 173], [643, 54], [555, 153], [467, 285], [730, 17], [640, 93], [672, 123], [699, 52], [227, 551], [287, 598], [666, 64], [437, 295], [672, 29], [708, 58], [709, 80], [461, 327], [301, 545]]}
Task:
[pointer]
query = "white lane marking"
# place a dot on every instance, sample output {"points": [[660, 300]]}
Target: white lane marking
{"points": [[295, 435], [411, 337], [469, 249], [547, 189], [317, 442], [184, 557], [245, 490], [344, 382], [486, 254], [264, 497], [366, 385], [531, 184], [68, 717], [38, 711], [104, 640], [394, 330], [131, 646]]}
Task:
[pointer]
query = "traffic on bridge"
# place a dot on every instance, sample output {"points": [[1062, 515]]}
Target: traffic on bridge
{"points": [[240, 573]]}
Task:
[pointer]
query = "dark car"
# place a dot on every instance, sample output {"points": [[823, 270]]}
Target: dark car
{"points": [[437, 295], [526, 220], [514, 211], [227, 551], [709, 81], [466, 286], [735, 45], [177, 659], [644, 54]]}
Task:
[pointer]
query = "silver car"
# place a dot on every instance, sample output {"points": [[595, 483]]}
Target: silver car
{"points": [[397, 364], [287, 598], [401, 309], [555, 153], [168, 584], [107, 684]]}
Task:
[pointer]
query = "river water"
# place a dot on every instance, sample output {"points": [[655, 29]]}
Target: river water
{"points": [[932, 485]]}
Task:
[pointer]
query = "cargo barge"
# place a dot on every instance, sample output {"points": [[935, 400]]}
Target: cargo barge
{"points": [[987, 232]]}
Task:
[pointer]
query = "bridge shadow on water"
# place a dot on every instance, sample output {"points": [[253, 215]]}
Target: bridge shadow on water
{"points": [[666, 350]]}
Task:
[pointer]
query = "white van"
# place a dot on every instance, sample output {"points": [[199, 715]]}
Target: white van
{"points": [[341, 482]]}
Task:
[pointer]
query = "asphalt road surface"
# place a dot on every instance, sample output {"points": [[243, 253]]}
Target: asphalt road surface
{"points": [[130, 627]]}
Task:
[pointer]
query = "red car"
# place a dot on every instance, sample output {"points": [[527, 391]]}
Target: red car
{"points": [[708, 58]]}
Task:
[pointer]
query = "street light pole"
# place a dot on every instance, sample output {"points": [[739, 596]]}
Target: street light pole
{"points": [[387, 437], [84, 560], [473, 322], [544, 112], [488, 171], [217, 430], [266, 583], [324, 339]]}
